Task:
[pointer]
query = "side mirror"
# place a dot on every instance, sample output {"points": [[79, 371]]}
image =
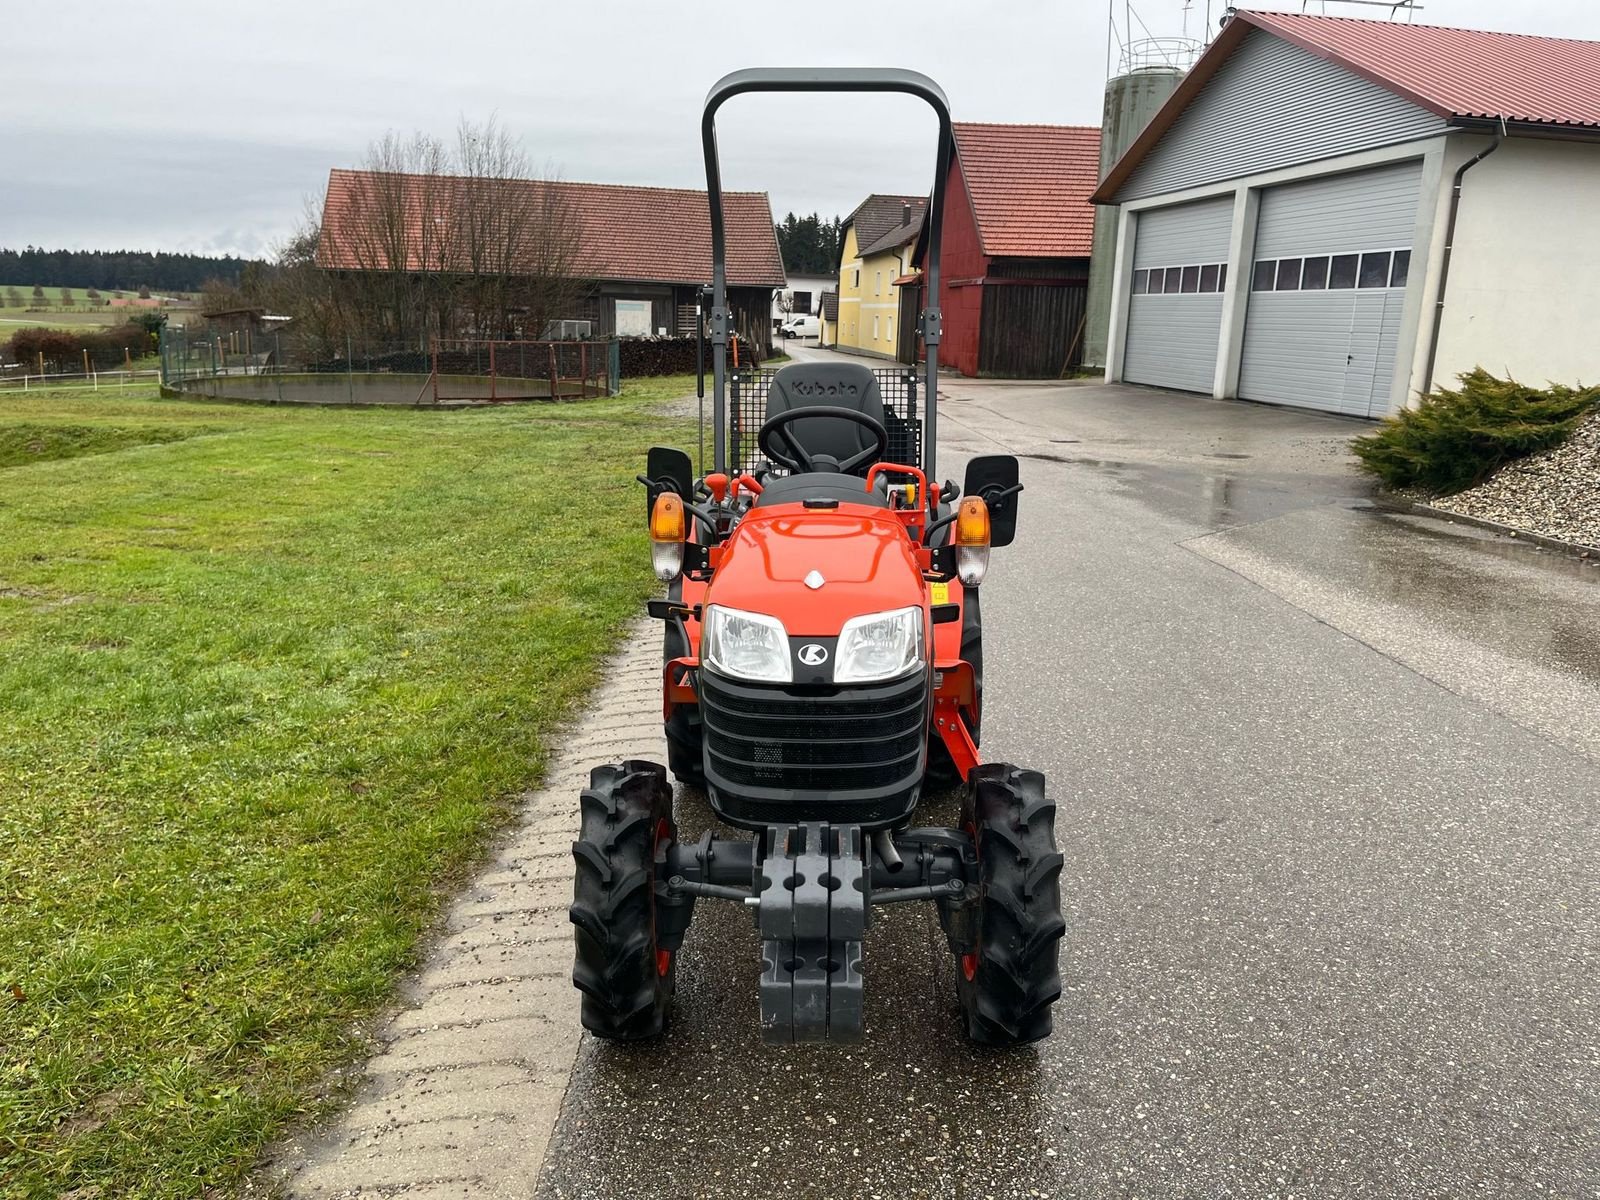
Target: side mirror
{"points": [[995, 477], [664, 465]]}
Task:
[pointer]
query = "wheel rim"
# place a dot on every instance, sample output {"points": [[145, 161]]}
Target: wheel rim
{"points": [[663, 957], [969, 962]]}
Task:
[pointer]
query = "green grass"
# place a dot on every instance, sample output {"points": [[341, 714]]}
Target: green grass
{"points": [[24, 442], [266, 684]]}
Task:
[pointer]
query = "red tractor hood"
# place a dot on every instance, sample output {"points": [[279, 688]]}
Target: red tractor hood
{"points": [[863, 555]]}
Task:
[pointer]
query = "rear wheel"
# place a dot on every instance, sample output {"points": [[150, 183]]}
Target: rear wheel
{"points": [[625, 976], [1011, 977]]}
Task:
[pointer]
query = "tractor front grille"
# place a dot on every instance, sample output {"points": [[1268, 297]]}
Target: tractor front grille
{"points": [[843, 754]]}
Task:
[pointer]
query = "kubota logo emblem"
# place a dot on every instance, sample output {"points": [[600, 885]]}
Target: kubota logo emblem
{"points": [[813, 655]]}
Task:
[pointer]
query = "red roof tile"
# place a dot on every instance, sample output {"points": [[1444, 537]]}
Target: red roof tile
{"points": [[641, 234], [1030, 186], [1457, 72], [1463, 75]]}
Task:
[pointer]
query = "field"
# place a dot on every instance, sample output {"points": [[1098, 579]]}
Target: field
{"points": [[268, 677], [57, 316]]}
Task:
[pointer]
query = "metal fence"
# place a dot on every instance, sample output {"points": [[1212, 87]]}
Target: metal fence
{"points": [[747, 412], [277, 367]]}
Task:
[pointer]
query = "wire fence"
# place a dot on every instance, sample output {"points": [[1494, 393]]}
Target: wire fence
{"points": [[112, 381], [747, 412], [272, 366]]}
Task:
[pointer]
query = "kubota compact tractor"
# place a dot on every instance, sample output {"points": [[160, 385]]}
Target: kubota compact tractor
{"points": [[824, 667]]}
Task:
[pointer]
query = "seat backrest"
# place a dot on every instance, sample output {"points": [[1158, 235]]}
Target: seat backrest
{"points": [[830, 385]]}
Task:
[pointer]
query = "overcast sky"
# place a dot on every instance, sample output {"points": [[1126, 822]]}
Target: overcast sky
{"points": [[194, 126]]}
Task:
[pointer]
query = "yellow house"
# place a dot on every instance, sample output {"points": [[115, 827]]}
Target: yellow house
{"points": [[875, 250]]}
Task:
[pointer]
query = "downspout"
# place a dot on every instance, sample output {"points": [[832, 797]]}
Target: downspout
{"points": [[1449, 246]]}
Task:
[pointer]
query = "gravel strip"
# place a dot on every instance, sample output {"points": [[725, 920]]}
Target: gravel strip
{"points": [[1555, 494]]}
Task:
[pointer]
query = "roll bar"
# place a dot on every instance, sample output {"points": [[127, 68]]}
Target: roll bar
{"points": [[824, 79]]}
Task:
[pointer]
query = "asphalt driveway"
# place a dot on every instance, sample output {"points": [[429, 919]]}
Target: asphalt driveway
{"points": [[1328, 797]]}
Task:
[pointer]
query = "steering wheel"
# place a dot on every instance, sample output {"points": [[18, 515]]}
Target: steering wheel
{"points": [[778, 428]]}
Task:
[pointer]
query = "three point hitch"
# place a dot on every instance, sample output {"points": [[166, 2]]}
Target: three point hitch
{"points": [[813, 887]]}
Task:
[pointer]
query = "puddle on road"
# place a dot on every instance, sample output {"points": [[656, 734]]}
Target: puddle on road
{"points": [[1219, 500]]}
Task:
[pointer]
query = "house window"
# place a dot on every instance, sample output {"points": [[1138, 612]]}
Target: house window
{"points": [[888, 329], [1266, 273], [874, 328], [1208, 278], [857, 282], [1314, 276], [1375, 270], [1190, 280], [633, 318], [1141, 282], [1402, 268], [802, 303], [877, 284], [1288, 275], [1342, 271]]}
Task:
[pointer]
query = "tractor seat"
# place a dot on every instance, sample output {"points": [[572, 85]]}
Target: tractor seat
{"points": [[819, 485], [830, 385]]}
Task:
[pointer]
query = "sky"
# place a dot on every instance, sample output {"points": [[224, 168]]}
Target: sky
{"points": [[205, 128]]}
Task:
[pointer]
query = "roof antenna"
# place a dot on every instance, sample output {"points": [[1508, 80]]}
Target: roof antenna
{"points": [[1395, 7]]}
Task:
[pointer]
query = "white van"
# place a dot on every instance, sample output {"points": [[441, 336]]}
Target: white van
{"points": [[801, 327]]}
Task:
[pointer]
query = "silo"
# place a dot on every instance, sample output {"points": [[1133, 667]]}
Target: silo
{"points": [[1132, 98]]}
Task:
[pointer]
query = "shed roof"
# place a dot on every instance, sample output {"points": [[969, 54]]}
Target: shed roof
{"points": [[1466, 76], [830, 306], [1030, 186], [641, 234]]}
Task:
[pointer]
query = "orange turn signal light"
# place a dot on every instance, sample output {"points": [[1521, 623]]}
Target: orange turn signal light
{"points": [[972, 522], [667, 522]]}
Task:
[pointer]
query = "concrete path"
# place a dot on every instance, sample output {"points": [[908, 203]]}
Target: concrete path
{"points": [[462, 1097]]}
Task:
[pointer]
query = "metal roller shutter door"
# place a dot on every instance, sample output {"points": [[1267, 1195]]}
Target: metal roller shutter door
{"points": [[1172, 337], [1330, 347]]}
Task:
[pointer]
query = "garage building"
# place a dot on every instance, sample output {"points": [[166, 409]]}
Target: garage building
{"points": [[1331, 213]]}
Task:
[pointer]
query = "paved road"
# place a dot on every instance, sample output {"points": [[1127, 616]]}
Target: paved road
{"points": [[1328, 795]]}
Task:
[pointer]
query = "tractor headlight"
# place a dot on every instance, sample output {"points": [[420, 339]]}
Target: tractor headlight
{"points": [[745, 645], [882, 645]]}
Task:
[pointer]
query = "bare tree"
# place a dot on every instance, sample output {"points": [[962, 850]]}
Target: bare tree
{"points": [[325, 310], [399, 231], [466, 241], [13, 297], [516, 234]]}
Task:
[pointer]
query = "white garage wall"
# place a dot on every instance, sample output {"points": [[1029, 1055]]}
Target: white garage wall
{"points": [[1523, 297]]}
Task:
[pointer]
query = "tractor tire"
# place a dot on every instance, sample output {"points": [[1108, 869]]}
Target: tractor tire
{"points": [[685, 736], [1011, 977], [942, 771], [626, 979]]}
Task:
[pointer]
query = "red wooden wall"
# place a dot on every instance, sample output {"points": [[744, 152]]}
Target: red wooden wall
{"points": [[962, 262]]}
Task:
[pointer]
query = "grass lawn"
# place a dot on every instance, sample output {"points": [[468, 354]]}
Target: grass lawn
{"points": [[268, 677]]}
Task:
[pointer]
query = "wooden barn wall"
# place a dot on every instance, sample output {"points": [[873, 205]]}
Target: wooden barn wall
{"points": [[962, 264], [1032, 331]]}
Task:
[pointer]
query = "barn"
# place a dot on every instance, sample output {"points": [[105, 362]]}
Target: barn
{"points": [[1341, 214], [1017, 235], [641, 253]]}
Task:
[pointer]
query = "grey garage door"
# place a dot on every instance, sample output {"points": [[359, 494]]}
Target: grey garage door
{"points": [[1180, 257], [1327, 290]]}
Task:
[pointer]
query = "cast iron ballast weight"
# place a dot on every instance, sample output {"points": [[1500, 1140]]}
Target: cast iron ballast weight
{"points": [[823, 668]]}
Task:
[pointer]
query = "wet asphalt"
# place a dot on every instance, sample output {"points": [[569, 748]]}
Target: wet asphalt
{"points": [[1327, 791]]}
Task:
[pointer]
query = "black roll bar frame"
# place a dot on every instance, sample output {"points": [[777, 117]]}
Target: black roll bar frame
{"points": [[824, 79]]}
